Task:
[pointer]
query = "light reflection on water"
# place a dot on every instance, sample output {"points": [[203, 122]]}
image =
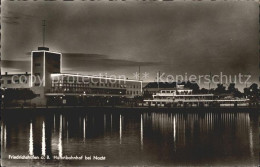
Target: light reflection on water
{"points": [[142, 134], [60, 138], [120, 127], [43, 140], [134, 138], [31, 140]]}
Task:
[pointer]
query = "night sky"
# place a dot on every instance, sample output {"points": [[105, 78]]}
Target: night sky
{"points": [[116, 37]]}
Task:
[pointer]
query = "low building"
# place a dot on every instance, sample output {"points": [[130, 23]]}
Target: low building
{"points": [[15, 80]]}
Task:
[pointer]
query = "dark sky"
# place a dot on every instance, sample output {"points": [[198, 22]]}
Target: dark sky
{"points": [[115, 37]]}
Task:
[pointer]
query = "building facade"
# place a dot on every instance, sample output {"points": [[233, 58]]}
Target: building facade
{"points": [[48, 82]]}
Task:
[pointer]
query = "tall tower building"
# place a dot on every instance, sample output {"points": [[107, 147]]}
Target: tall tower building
{"points": [[43, 64]]}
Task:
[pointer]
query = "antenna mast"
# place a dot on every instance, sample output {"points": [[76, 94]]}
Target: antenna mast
{"points": [[43, 32], [139, 73]]}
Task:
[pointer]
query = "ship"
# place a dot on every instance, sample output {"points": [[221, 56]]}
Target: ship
{"points": [[184, 97]]}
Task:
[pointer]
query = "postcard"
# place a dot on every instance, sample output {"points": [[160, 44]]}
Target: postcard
{"points": [[130, 83]]}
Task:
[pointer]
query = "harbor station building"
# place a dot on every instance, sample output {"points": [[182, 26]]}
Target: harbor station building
{"points": [[51, 86]]}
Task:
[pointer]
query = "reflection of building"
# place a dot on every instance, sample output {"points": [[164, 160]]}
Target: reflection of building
{"points": [[48, 81]]}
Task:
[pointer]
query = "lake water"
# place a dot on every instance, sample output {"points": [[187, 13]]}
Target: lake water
{"points": [[131, 138]]}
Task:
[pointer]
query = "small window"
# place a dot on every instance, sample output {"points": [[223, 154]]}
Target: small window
{"points": [[37, 64], [9, 81], [2, 81], [37, 84], [16, 81]]}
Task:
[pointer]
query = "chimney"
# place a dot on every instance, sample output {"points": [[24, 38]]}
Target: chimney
{"points": [[6, 73]]}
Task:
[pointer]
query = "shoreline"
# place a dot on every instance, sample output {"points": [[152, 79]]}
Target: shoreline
{"points": [[110, 109]]}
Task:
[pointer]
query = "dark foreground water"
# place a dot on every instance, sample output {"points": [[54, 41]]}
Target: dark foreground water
{"points": [[131, 138]]}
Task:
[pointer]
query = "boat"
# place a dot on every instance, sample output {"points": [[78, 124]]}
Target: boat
{"points": [[184, 97]]}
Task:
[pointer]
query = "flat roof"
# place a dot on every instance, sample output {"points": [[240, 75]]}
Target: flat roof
{"points": [[91, 76], [2, 75]]}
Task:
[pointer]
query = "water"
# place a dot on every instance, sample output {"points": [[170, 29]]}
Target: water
{"points": [[131, 138]]}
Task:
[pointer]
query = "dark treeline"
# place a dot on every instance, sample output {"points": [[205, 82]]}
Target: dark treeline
{"points": [[252, 92], [15, 94]]}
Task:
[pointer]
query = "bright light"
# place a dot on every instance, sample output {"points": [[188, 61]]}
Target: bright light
{"points": [[88, 76], [31, 83], [44, 68]]}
